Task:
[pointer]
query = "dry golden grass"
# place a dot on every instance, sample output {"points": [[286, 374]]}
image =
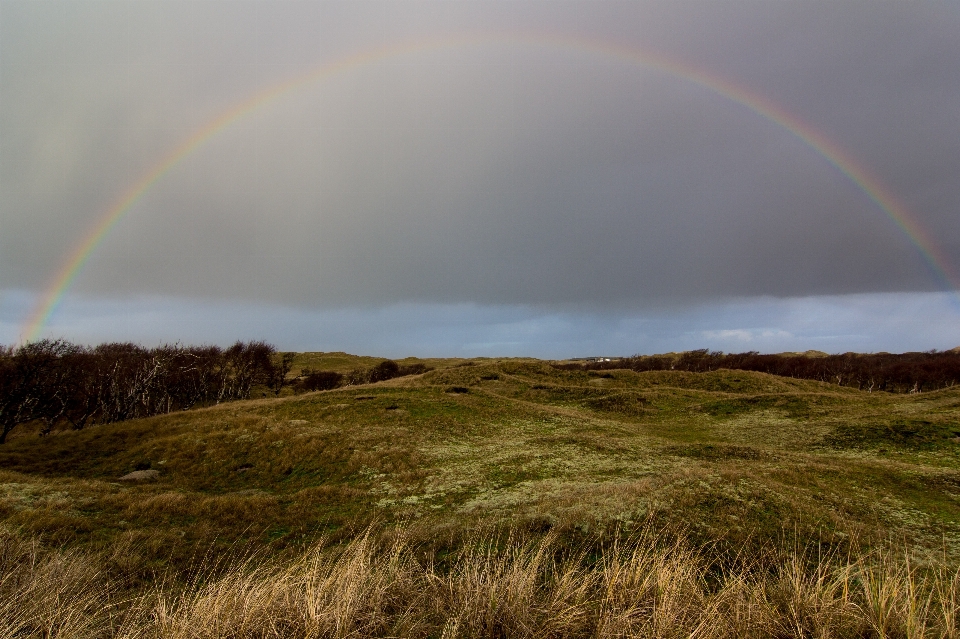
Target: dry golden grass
{"points": [[641, 585], [49, 594]]}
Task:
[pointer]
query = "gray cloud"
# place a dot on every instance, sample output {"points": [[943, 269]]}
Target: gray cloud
{"points": [[491, 174], [866, 323]]}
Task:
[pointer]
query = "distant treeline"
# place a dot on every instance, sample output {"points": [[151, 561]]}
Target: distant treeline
{"points": [[54, 383], [894, 373]]}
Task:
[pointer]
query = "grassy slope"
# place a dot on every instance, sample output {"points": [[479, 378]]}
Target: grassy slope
{"points": [[735, 456], [344, 362]]}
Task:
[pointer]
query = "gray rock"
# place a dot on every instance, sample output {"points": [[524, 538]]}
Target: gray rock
{"points": [[140, 475]]}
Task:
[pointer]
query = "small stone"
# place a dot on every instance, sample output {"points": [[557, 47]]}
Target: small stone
{"points": [[140, 475]]}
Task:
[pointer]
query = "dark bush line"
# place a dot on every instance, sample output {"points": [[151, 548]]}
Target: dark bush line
{"points": [[311, 380], [57, 383], [895, 373]]}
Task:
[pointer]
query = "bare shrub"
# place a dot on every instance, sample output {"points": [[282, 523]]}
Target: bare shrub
{"points": [[55, 383], [311, 380], [387, 369]]}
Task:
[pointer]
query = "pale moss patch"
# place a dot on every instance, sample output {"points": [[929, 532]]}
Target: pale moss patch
{"points": [[527, 463], [772, 427], [23, 496], [614, 499]]}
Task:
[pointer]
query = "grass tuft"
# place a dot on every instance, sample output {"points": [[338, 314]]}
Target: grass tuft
{"points": [[647, 584]]}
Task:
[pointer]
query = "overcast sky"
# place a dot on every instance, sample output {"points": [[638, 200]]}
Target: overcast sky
{"points": [[499, 182]]}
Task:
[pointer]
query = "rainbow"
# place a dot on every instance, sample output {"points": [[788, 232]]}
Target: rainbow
{"points": [[891, 206]]}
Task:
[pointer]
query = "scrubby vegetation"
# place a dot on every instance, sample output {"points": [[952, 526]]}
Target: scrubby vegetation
{"points": [[53, 383], [498, 499], [896, 373]]}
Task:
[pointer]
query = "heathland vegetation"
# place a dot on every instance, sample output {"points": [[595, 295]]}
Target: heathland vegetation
{"points": [[53, 383], [329, 495], [895, 373]]}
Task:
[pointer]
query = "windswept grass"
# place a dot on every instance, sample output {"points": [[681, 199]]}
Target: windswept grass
{"points": [[641, 585]]}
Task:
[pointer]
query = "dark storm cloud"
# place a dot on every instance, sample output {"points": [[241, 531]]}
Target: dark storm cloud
{"points": [[498, 173]]}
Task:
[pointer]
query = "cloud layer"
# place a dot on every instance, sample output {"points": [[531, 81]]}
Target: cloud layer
{"points": [[894, 322], [517, 169]]}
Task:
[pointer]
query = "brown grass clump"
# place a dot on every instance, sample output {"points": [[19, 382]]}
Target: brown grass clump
{"points": [[647, 585], [50, 594]]}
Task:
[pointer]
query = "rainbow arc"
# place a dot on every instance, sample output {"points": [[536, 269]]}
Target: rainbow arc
{"points": [[885, 200]]}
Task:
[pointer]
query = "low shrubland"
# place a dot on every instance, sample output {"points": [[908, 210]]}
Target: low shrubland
{"points": [[53, 384], [891, 372]]}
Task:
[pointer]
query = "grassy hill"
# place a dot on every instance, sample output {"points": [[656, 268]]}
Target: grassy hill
{"points": [[733, 461]]}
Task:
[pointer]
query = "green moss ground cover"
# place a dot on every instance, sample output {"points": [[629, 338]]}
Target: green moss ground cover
{"points": [[734, 458]]}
